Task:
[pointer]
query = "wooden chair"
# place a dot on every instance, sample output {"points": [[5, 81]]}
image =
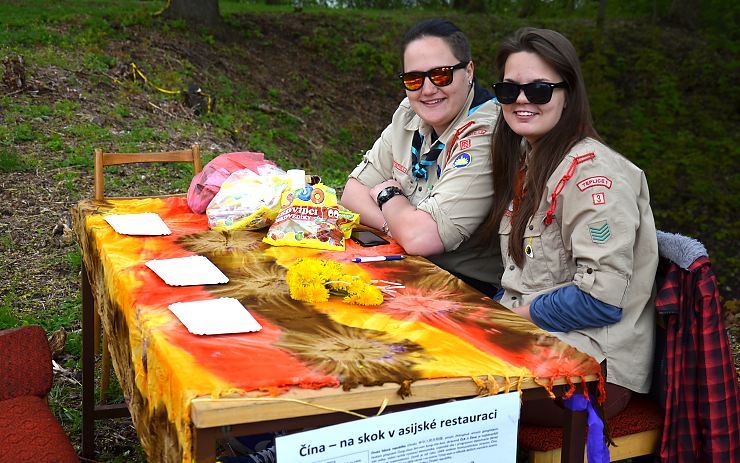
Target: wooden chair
{"points": [[102, 160]]}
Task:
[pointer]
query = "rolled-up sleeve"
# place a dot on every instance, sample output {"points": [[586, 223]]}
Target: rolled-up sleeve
{"points": [[602, 223], [377, 163]]}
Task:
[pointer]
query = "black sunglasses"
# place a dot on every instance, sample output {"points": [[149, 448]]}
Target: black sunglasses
{"points": [[536, 92], [441, 77]]}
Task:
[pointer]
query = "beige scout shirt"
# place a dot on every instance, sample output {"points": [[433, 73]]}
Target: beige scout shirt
{"points": [[603, 240], [459, 188]]}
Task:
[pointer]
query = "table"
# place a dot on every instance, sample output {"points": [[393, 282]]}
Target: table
{"points": [[435, 340]]}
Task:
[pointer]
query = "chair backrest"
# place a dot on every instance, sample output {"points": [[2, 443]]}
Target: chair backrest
{"points": [[700, 397], [25, 362], [103, 159]]}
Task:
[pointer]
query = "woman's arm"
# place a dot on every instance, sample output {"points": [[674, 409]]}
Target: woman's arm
{"points": [[568, 308], [356, 197], [415, 230]]}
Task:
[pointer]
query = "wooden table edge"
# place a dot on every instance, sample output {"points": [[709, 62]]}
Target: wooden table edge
{"points": [[207, 412]]}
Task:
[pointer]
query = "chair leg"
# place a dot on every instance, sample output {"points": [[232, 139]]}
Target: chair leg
{"points": [[105, 371]]}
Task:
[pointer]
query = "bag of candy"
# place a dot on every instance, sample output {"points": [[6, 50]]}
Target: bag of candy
{"points": [[205, 185], [248, 200], [311, 217]]}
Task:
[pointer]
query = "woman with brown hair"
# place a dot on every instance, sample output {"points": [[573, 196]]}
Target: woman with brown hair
{"points": [[577, 234]]}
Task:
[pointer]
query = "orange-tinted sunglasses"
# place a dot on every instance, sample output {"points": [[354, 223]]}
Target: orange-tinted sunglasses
{"points": [[441, 77]]}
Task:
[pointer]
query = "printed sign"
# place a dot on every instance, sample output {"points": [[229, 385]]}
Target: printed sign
{"points": [[479, 430]]}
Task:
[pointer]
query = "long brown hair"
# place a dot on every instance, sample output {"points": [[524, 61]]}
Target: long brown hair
{"points": [[575, 124]]}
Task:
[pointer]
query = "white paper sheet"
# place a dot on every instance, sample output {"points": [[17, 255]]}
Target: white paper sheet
{"points": [[146, 224], [215, 316], [187, 271]]}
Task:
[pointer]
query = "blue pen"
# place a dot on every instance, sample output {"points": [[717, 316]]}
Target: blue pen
{"points": [[377, 258]]}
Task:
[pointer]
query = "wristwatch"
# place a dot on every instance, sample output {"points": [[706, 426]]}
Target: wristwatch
{"points": [[387, 193]]}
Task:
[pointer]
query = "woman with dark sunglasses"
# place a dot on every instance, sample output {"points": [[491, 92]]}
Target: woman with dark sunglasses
{"points": [[427, 180], [573, 218]]}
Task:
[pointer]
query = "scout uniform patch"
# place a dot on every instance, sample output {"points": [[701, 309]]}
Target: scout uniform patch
{"points": [[599, 231], [462, 160]]}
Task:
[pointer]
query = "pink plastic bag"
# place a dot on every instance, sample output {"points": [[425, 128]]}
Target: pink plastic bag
{"points": [[206, 184]]}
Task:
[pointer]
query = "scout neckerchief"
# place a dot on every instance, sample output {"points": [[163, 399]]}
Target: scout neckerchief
{"points": [[420, 163]]}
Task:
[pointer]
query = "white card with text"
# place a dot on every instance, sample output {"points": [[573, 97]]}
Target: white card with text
{"points": [[479, 430]]}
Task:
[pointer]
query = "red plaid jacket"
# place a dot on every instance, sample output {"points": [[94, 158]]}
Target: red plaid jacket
{"points": [[702, 402]]}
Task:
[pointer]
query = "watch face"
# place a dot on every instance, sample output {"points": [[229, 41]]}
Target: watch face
{"points": [[387, 193]]}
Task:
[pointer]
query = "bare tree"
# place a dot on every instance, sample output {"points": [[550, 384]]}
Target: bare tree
{"points": [[684, 12], [601, 15], [203, 12]]}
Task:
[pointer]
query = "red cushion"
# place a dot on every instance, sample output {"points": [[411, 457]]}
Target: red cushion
{"points": [[641, 414], [30, 433], [25, 362]]}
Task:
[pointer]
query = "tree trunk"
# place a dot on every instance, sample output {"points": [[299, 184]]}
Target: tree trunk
{"points": [[684, 12], [601, 15], [203, 12]]}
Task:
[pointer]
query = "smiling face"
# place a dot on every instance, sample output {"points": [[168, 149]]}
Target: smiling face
{"points": [[532, 121], [437, 106]]}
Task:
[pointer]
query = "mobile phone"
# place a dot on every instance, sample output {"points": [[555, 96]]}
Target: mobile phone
{"points": [[367, 238]]}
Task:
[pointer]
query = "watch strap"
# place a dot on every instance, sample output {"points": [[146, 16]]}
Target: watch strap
{"points": [[387, 193]]}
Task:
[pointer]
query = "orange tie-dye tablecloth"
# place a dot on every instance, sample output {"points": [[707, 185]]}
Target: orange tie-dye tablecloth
{"points": [[435, 327]]}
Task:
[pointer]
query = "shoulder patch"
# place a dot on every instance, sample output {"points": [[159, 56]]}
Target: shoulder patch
{"points": [[400, 167], [599, 231], [598, 180], [599, 198], [462, 160], [464, 144]]}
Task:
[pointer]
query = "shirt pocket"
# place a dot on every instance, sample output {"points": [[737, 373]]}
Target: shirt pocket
{"points": [[545, 257]]}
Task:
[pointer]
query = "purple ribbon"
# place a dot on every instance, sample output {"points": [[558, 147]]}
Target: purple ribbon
{"points": [[596, 449]]}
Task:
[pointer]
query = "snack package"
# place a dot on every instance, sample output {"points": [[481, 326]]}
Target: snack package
{"points": [[248, 200], [311, 218], [205, 185]]}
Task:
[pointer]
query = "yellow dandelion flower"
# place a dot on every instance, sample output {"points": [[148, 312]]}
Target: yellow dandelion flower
{"points": [[313, 280]]}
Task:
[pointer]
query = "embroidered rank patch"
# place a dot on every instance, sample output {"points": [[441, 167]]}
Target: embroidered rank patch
{"points": [[464, 144], [400, 167], [598, 180], [599, 198], [462, 160], [599, 231]]}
